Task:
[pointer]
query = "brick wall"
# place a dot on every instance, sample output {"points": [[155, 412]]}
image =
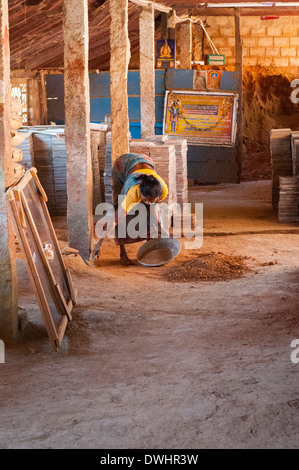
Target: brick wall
{"points": [[265, 42]]}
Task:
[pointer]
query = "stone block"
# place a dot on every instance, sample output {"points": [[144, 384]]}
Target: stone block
{"points": [[231, 42], [290, 30], [259, 31], [272, 52], [251, 61], [294, 41], [265, 41], [288, 51], [220, 41], [282, 42], [265, 61], [249, 41], [280, 61], [294, 61], [274, 31], [256, 51]]}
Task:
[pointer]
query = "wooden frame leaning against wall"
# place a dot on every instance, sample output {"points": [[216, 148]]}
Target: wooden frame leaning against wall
{"points": [[51, 280]]}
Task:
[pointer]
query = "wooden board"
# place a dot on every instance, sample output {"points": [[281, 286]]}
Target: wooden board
{"points": [[51, 280]]}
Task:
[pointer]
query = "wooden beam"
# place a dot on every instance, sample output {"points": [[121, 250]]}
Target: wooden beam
{"points": [[119, 64], [77, 126], [8, 272], [239, 70], [147, 71]]}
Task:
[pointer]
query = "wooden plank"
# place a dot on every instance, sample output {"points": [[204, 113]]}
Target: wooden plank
{"points": [[32, 270], [239, 69], [56, 291], [38, 184], [56, 249]]}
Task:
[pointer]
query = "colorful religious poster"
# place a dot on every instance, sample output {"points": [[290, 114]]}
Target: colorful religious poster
{"points": [[214, 78], [165, 54], [203, 117]]}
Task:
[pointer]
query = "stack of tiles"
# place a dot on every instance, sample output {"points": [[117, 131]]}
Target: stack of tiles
{"points": [[181, 148], [102, 157], [158, 139], [27, 149], [295, 152], [95, 140], [288, 199], [164, 157], [281, 160], [140, 146], [108, 169], [42, 144]]}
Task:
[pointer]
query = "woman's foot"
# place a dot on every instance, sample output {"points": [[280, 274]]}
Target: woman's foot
{"points": [[124, 259]]}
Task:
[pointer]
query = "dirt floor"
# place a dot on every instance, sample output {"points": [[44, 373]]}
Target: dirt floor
{"points": [[151, 361]]}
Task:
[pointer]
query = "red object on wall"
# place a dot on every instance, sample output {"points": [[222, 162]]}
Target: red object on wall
{"points": [[269, 17]]}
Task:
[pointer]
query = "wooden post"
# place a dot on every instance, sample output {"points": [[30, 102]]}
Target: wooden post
{"points": [[171, 25], [184, 44], [8, 272], [43, 98], [147, 71], [77, 126], [119, 64], [164, 25], [239, 70]]}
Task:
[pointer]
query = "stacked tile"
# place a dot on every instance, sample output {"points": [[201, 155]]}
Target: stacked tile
{"points": [[95, 139], [181, 148], [288, 199], [108, 169], [60, 173], [295, 152], [101, 157], [281, 160], [157, 138], [44, 165], [27, 149], [140, 146], [164, 157]]}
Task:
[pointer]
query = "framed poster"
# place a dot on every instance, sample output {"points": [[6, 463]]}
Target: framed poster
{"points": [[200, 116], [165, 53]]}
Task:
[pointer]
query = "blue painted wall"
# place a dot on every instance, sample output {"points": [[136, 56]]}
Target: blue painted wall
{"points": [[206, 164]]}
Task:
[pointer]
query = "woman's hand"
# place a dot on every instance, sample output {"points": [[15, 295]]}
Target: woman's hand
{"points": [[95, 254]]}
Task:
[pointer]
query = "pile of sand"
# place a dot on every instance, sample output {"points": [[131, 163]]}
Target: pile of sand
{"points": [[266, 105], [208, 267]]}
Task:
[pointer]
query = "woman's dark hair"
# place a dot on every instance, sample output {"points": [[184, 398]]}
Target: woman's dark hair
{"points": [[150, 186]]}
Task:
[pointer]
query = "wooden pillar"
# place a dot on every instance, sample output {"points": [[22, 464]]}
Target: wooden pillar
{"points": [[43, 98], [239, 70], [77, 126], [184, 44], [119, 64], [8, 274], [147, 71]]}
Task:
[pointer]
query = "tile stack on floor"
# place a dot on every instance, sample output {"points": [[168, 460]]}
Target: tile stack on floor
{"points": [[181, 148], [295, 151], [141, 146], [27, 150], [164, 157], [288, 206], [108, 169], [50, 161], [95, 142], [288, 210], [281, 160]]}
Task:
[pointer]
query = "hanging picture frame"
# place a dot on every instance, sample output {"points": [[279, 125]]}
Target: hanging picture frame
{"points": [[51, 280], [203, 117]]}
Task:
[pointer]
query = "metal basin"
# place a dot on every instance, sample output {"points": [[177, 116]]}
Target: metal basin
{"points": [[158, 251]]}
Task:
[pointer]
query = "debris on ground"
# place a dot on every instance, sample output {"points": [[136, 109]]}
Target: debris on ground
{"points": [[208, 267]]}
